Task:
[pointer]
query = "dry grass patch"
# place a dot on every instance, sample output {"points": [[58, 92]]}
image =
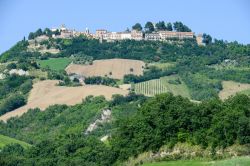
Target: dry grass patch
{"points": [[113, 68], [46, 93], [231, 88]]}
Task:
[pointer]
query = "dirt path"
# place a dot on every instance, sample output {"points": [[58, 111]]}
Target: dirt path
{"points": [[46, 93]]}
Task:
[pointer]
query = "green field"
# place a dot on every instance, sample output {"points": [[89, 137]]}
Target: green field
{"points": [[4, 140], [162, 85], [239, 161], [165, 65], [38, 73], [246, 92], [55, 63]]}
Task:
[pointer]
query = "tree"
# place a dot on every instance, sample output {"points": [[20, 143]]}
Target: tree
{"points": [[137, 27], [160, 26], [48, 32], [149, 27], [11, 66], [180, 27], [169, 26], [31, 36], [39, 32], [207, 39]]}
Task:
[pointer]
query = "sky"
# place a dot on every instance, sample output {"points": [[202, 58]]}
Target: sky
{"points": [[222, 19]]}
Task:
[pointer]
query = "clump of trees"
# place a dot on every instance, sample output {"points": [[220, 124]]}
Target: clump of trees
{"points": [[167, 120], [98, 80], [40, 32], [180, 27], [207, 39], [137, 27], [13, 92], [149, 74], [161, 26]]}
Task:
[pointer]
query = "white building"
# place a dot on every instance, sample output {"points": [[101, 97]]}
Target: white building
{"points": [[152, 36], [20, 72], [136, 35], [172, 34], [126, 35]]}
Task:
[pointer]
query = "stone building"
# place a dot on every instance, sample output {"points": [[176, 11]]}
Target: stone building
{"points": [[136, 35], [199, 39], [152, 36]]}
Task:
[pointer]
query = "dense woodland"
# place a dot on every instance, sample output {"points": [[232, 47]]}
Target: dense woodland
{"points": [[138, 124], [58, 138]]}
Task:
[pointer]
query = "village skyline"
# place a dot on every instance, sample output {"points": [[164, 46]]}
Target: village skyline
{"points": [[19, 18]]}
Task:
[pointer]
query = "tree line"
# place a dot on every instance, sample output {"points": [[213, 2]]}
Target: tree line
{"points": [[161, 25]]}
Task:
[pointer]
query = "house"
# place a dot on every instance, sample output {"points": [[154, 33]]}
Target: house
{"points": [[125, 35], [152, 36], [199, 39], [172, 34], [136, 35], [100, 33]]}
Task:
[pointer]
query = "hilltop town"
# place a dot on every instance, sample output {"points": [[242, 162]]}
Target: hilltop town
{"points": [[115, 98], [151, 32]]}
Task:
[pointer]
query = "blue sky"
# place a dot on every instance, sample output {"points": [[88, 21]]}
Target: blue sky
{"points": [[222, 19]]}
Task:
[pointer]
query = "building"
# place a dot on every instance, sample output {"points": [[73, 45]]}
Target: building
{"points": [[111, 36], [115, 36], [66, 34], [100, 33], [152, 36], [126, 36], [199, 39], [164, 35], [136, 35]]}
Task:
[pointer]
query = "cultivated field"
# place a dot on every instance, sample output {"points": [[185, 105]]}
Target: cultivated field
{"points": [[55, 63], [113, 68], [162, 85], [46, 93], [4, 140], [231, 88], [151, 88]]}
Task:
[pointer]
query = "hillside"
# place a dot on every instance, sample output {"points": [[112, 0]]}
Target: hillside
{"points": [[68, 105], [59, 132], [46, 93]]}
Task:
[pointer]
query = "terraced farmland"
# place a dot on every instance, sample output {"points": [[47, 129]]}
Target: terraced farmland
{"points": [[162, 85]]}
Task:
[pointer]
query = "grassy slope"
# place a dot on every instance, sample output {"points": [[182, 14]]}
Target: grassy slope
{"points": [[180, 89], [232, 87], [55, 63], [246, 92], [239, 161], [165, 65], [4, 140]]}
